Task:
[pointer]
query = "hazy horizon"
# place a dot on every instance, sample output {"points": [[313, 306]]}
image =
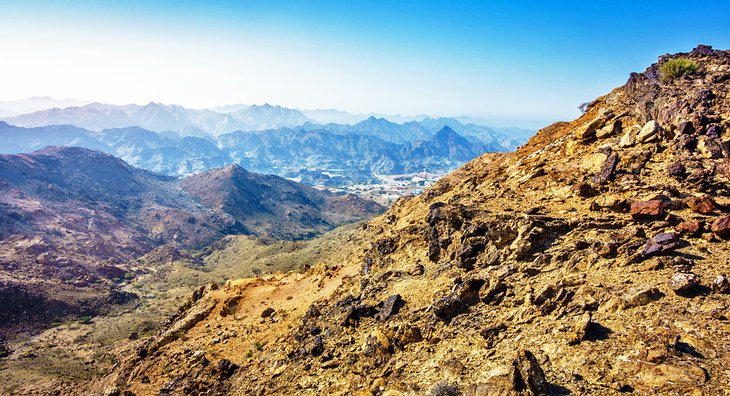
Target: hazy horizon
{"points": [[506, 63]]}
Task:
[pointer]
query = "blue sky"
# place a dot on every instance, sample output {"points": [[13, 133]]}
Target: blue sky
{"points": [[517, 63]]}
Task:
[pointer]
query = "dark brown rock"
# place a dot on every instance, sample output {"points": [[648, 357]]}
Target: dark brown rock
{"points": [[491, 332], [721, 227], [385, 246], [607, 170], [660, 244], [527, 375], [686, 128], [653, 209], [702, 205], [676, 169], [447, 307], [226, 368], [391, 307], [584, 190], [267, 312]]}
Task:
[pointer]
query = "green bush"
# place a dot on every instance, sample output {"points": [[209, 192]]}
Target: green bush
{"points": [[678, 67]]}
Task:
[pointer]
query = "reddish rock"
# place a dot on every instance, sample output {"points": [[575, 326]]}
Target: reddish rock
{"points": [[702, 205], [721, 226], [653, 209], [689, 227]]}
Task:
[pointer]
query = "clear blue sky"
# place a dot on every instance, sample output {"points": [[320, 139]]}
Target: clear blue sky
{"points": [[512, 62]]}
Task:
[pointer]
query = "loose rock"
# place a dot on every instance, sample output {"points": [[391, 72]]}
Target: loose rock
{"points": [[641, 295], [653, 209], [527, 375], [682, 283], [703, 205], [649, 132], [721, 227], [660, 244], [721, 284]]}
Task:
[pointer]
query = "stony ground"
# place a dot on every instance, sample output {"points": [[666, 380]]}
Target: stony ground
{"points": [[590, 261]]}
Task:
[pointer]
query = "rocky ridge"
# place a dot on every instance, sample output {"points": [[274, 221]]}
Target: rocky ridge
{"points": [[592, 260]]}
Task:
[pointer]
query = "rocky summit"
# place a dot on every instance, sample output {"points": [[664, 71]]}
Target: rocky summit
{"points": [[593, 260]]}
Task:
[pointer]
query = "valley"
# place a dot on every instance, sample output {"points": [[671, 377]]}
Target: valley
{"points": [[77, 349]]}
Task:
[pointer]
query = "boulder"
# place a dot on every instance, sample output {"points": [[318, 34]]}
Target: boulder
{"points": [[588, 130], [607, 170], [390, 307], [709, 147], [628, 139], [676, 169], [609, 129], [267, 312], [686, 128], [580, 329]]}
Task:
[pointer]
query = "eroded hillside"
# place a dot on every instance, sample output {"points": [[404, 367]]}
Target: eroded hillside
{"points": [[590, 261], [75, 224]]}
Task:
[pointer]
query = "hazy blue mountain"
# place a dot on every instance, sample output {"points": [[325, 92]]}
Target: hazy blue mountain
{"points": [[14, 140], [158, 117], [167, 154], [259, 118], [10, 108], [333, 154]]}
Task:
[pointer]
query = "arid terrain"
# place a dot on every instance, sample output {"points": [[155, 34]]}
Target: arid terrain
{"points": [[86, 235], [592, 260]]}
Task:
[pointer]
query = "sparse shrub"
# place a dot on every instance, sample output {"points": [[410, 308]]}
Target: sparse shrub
{"points": [[444, 389], [678, 67], [258, 345], [85, 320]]}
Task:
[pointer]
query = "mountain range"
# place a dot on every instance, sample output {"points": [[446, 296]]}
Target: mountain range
{"points": [[74, 222], [224, 119], [593, 260], [333, 154]]}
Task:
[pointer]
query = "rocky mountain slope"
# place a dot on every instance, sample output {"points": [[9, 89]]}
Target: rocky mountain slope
{"points": [[74, 221], [592, 260]]}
